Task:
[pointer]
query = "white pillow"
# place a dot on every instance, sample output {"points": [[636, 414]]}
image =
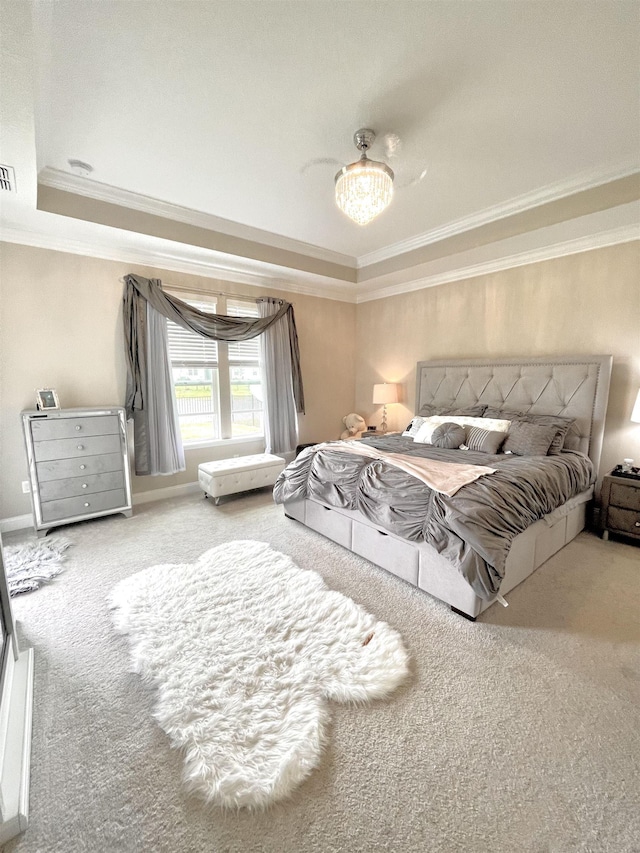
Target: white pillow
{"points": [[423, 436], [414, 426]]}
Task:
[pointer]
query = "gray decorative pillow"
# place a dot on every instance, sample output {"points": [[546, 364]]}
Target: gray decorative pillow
{"points": [[484, 440], [469, 411], [525, 439], [562, 424], [448, 436]]}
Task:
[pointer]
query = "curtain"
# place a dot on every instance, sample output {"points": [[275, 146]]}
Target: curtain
{"points": [[166, 454], [280, 422], [138, 292]]}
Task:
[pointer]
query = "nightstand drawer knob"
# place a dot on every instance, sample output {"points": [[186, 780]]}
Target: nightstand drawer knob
{"points": [[637, 523], [84, 485], [81, 447], [78, 427], [82, 467], [87, 503]]}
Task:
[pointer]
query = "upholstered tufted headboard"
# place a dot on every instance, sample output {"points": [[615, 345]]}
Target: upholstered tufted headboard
{"points": [[573, 386]]}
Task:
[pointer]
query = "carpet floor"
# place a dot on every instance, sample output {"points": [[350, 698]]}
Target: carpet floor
{"points": [[517, 734]]}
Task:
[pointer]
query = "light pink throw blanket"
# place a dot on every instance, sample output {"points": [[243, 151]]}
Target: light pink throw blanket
{"points": [[444, 477]]}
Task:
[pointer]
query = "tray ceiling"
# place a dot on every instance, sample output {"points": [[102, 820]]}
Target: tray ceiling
{"points": [[227, 110]]}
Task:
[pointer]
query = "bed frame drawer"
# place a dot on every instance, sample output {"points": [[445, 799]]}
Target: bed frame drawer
{"points": [[393, 554], [330, 523], [550, 541]]}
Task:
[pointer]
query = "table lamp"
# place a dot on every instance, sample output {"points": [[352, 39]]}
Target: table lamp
{"points": [[383, 393]]}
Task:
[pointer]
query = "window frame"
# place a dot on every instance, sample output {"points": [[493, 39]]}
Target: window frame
{"points": [[222, 365]]}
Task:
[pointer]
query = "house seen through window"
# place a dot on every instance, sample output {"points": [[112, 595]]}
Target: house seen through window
{"points": [[218, 385]]}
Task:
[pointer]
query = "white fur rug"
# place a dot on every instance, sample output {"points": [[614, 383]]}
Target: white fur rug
{"points": [[31, 564], [245, 649]]}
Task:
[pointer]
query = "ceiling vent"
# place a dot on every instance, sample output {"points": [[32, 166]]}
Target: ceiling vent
{"points": [[7, 179]]}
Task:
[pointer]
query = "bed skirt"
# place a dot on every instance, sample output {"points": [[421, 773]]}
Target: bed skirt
{"points": [[419, 564]]}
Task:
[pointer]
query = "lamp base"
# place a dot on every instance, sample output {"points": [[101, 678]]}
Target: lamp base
{"points": [[383, 425]]}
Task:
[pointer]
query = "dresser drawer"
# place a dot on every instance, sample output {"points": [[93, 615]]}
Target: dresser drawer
{"points": [[624, 520], [55, 489], [51, 428], [625, 496], [84, 505], [66, 448], [58, 469]]}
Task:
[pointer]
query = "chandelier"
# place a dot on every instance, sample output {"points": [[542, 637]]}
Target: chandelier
{"points": [[364, 188]]}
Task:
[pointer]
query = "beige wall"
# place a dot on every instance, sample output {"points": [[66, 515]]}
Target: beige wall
{"points": [[586, 303], [61, 327]]}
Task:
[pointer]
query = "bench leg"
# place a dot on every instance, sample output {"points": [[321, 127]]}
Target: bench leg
{"points": [[216, 501]]}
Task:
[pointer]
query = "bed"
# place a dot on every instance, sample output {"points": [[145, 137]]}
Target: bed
{"points": [[476, 545]]}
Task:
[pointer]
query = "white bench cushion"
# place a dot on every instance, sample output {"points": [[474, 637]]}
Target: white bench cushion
{"points": [[230, 476]]}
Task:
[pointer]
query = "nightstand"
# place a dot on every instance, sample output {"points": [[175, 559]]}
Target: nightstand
{"points": [[620, 506]]}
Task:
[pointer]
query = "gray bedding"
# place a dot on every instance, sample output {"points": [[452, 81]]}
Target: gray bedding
{"points": [[473, 529]]}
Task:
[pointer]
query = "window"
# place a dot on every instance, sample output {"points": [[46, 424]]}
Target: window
{"points": [[218, 385]]}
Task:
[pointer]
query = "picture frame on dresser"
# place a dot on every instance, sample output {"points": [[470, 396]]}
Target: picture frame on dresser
{"points": [[47, 398]]}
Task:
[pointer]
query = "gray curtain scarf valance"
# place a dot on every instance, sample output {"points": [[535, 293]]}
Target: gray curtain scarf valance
{"points": [[144, 296], [214, 326]]}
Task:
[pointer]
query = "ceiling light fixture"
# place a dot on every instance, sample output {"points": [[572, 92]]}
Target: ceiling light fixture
{"points": [[364, 188]]}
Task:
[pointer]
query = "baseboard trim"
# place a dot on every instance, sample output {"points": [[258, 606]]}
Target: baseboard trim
{"points": [[20, 522], [16, 522], [168, 492]]}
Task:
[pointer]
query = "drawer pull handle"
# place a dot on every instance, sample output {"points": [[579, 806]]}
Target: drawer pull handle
{"points": [[81, 447], [78, 427], [637, 523], [87, 503], [82, 467], [382, 533], [84, 485]]}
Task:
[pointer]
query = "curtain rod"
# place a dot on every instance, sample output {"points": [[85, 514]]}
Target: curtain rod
{"points": [[201, 292]]}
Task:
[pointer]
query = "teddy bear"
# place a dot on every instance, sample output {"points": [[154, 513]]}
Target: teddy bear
{"points": [[355, 426]]}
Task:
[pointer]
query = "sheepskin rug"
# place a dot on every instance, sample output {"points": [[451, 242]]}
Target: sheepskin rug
{"points": [[30, 565], [246, 649]]}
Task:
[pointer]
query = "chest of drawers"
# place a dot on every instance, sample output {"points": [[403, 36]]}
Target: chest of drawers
{"points": [[620, 506], [78, 465]]}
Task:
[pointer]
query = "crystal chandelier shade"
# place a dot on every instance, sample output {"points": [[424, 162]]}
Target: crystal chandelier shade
{"points": [[364, 188]]}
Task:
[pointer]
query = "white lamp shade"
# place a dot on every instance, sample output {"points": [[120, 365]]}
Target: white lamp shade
{"points": [[385, 392], [635, 414]]}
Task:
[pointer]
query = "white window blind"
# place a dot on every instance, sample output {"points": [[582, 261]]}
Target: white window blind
{"points": [[243, 350], [187, 347], [217, 384]]}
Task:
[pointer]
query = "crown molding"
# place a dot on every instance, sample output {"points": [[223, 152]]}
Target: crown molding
{"points": [[206, 267], [79, 185], [624, 234], [518, 204]]}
